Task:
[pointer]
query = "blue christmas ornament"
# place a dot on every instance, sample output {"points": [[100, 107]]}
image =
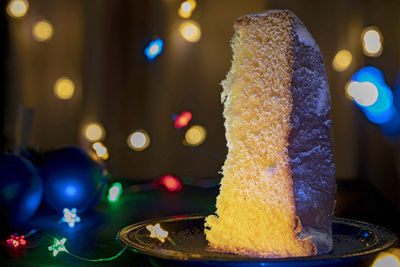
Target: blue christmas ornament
{"points": [[71, 179], [21, 188]]}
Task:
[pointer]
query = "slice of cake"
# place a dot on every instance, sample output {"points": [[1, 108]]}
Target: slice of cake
{"points": [[277, 192]]}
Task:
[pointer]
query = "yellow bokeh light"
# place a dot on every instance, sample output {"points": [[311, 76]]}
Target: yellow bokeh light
{"points": [[390, 258], [42, 30], [372, 41], [190, 31], [93, 132], [101, 150], [64, 88], [138, 140], [186, 8], [342, 60], [195, 135], [346, 90], [17, 8]]}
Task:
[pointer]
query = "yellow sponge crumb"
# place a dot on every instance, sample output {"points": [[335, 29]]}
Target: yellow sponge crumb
{"points": [[255, 213]]}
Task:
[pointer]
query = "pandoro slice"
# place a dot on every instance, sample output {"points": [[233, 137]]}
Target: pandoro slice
{"points": [[277, 192]]}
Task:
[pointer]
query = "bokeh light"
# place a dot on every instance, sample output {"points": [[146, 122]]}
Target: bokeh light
{"points": [[64, 88], [17, 8], [386, 261], [70, 190], [186, 8], [382, 109], [342, 60], [364, 93], [389, 258], [138, 140], [190, 31], [115, 191], [101, 150], [93, 132], [372, 41], [346, 90], [195, 135], [42, 31], [183, 119], [171, 183], [154, 49]]}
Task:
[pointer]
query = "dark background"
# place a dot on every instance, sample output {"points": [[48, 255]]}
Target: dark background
{"points": [[100, 46]]}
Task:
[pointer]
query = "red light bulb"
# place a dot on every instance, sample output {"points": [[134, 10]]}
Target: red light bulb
{"points": [[171, 183]]}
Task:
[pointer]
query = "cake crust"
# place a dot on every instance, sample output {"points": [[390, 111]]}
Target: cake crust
{"points": [[310, 149]]}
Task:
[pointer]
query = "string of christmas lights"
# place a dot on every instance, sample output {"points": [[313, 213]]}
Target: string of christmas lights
{"points": [[94, 132], [17, 241], [169, 182], [59, 246]]}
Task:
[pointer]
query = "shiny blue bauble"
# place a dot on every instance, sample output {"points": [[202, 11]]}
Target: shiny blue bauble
{"points": [[21, 188], [71, 179]]}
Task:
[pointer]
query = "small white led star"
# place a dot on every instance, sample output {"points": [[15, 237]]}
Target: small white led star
{"points": [[157, 232], [70, 217]]}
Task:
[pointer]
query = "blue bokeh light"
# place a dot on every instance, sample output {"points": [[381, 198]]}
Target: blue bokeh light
{"points": [[71, 179], [154, 49], [382, 110], [392, 127], [70, 190]]}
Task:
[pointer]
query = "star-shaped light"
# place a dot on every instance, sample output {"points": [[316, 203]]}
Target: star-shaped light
{"points": [[16, 240], [70, 217], [157, 232], [58, 245]]}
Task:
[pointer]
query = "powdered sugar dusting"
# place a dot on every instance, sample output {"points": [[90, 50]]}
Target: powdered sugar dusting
{"points": [[323, 98], [304, 36]]}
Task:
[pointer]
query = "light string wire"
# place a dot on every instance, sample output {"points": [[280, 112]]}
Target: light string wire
{"points": [[96, 260], [62, 248], [172, 242], [34, 245], [31, 232]]}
